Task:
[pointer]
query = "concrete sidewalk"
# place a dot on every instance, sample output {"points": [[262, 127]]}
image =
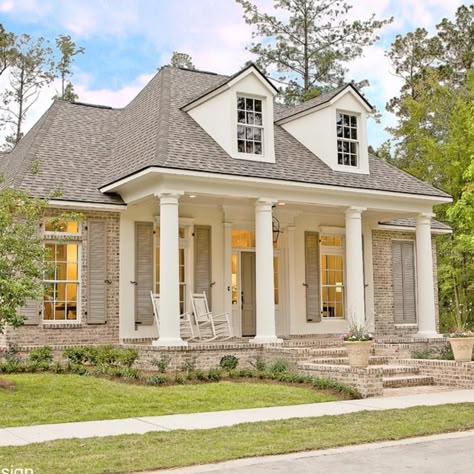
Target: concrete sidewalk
{"points": [[197, 421]]}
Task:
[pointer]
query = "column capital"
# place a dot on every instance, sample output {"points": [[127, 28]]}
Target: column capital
{"points": [[264, 204], [354, 211], [424, 218], [171, 197]]}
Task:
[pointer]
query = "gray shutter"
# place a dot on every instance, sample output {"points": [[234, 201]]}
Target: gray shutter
{"points": [[403, 277], [311, 249], [97, 272], [30, 313], [143, 272], [202, 261]]}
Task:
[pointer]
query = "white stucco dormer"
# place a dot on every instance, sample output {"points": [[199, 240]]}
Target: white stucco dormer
{"points": [[335, 130], [238, 115]]}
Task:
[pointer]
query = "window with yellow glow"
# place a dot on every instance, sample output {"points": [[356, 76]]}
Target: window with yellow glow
{"points": [[244, 239], [62, 282], [54, 226], [332, 276], [235, 291]]}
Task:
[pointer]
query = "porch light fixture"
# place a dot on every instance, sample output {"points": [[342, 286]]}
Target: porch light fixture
{"points": [[276, 229], [192, 196], [281, 203]]}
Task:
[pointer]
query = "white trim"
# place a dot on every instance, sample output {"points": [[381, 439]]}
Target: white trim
{"points": [[324, 105], [87, 205], [402, 228], [227, 86], [55, 234], [286, 184]]}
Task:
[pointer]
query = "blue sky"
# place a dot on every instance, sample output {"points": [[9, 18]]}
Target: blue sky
{"points": [[126, 40]]}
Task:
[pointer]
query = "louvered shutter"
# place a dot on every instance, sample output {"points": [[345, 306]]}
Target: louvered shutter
{"points": [[202, 261], [30, 313], [313, 304], [97, 272], [403, 277], [143, 272]]}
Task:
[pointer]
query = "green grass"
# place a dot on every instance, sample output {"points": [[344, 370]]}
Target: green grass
{"points": [[180, 448], [50, 398]]}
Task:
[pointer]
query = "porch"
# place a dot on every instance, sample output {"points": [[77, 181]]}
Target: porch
{"points": [[280, 267]]}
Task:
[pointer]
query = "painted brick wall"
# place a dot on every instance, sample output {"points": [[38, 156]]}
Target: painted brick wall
{"points": [[383, 286], [80, 333]]}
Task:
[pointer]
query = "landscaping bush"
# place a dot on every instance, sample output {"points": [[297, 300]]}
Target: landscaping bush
{"points": [[189, 365], [278, 366], [229, 362], [97, 355], [155, 380], [41, 355], [161, 364], [214, 375], [200, 375], [259, 363]]}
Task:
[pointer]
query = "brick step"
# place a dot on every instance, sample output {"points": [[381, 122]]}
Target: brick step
{"points": [[389, 370], [373, 360], [407, 381]]}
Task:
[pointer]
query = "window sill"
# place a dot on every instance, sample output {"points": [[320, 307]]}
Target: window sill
{"points": [[407, 326], [60, 325]]}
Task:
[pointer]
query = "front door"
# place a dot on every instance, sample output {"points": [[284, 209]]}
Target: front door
{"points": [[247, 294]]}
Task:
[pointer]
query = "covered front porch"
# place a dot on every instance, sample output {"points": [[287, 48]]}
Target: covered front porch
{"points": [[281, 261]]}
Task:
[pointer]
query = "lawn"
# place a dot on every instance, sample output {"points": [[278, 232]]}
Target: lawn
{"points": [[119, 454], [50, 398]]}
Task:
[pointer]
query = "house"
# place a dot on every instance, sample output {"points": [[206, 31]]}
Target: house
{"points": [[205, 183]]}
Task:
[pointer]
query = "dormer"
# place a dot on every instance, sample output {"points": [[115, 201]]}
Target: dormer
{"points": [[334, 127], [238, 115]]}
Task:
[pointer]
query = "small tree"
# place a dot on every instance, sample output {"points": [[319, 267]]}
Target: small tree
{"points": [[22, 254], [67, 49]]}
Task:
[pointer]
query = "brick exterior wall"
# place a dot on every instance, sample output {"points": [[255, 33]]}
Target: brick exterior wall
{"points": [[383, 286], [47, 333]]}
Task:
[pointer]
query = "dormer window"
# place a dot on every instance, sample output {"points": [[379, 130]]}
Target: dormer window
{"points": [[347, 140], [249, 126]]}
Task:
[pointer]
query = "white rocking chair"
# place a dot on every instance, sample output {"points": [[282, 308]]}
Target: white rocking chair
{"points": [[185, 323], [213, 326]]}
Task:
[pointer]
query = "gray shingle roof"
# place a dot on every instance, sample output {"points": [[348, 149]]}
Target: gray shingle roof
{"points": [[81, 148], [411, 223], [319, 100]]}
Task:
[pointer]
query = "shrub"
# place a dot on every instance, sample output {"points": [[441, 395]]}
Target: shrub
{"points": [[229, 362], [41, 355], [160, 379], [161, 364], [278, 366], [214, 375], [105, 355], [259, 363], [189, 364], [200, 375], [179, 379], [245, 373]]}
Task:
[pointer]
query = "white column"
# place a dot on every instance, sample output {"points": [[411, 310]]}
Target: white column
{"points": [[266, 327], [424, 267], [355, 310], [169, 271]]}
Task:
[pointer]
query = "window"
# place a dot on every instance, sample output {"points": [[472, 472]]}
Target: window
{"points": [[55, 227], [347, 141], [332, 276], [245, 239], [249, 126], [61, 282]]}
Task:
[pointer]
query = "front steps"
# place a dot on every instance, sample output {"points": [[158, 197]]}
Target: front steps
{"points": [[322, 359]]}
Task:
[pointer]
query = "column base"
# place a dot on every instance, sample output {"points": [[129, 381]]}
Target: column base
{"points": [[426, 334], [266, 340], [169, 342]]}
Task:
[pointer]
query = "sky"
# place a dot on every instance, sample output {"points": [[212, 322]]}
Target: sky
{"points": [[126, 41]]}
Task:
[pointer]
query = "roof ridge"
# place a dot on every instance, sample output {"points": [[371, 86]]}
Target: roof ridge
{"points": [[161, 150]]}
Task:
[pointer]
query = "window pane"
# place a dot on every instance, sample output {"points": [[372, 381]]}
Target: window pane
{"points": [[258, 148], [257, 134], [353, 121], [249, 103], [241, 146], [241, 103], [347, 132], [240, 116], [339, 119], [249, 147], [249, 133], [250, 118], [354, 134], [258, 105], [240, 132], [339, 131], [346, 119], [258, 119]]}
